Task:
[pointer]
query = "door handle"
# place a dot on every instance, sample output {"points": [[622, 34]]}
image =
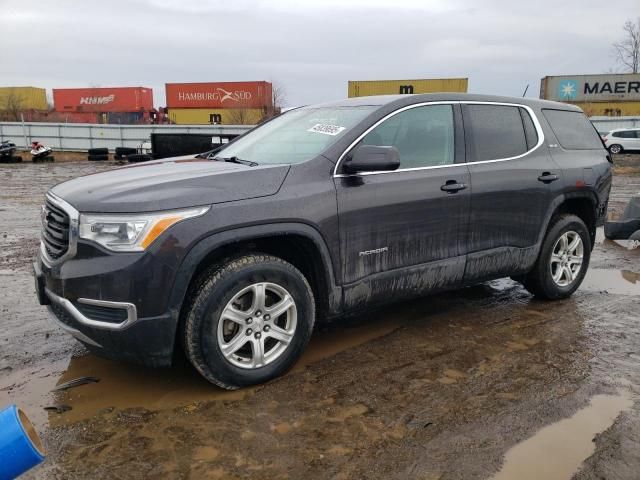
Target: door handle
{"points": [[452, 186], [548, 177]]}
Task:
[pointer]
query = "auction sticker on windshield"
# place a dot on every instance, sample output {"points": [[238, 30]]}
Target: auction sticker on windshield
{"points": [[326, 129]]}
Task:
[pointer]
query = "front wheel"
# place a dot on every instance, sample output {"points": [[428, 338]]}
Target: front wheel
{"points": [[563, 259], [248, 321], [615, 148]]}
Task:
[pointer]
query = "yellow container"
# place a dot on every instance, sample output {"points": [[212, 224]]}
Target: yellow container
{"points": [[212, 116], [364, 88], [23, 98], [609, 109]]}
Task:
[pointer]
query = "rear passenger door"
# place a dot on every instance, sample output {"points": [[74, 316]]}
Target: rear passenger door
{"points": [[512, 176]]}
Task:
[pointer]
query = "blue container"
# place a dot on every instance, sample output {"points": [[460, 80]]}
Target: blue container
{"points": [[20, 446]]}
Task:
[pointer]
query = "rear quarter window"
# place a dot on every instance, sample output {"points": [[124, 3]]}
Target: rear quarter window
{"points": [[497, 131], [573, 130]]}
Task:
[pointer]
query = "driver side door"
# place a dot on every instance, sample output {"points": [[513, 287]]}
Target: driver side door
{"points": [[402, 232]]}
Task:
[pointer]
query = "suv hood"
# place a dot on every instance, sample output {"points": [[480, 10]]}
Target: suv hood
{"points": [[170, 183]]}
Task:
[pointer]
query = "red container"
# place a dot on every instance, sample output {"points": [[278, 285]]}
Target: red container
{"points": [[219, 95], [116, 99]]}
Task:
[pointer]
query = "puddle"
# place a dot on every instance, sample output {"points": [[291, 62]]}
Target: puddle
{"points": [[622, 282], [31, 390], [125, 386], [557, 451]]}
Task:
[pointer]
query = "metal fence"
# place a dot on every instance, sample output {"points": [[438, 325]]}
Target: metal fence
{"points": [[606, 124], [83, 136]]}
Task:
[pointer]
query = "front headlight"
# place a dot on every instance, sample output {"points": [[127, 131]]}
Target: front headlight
{"points": [[131, 232]]}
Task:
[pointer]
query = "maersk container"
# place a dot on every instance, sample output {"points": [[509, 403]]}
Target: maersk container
{"points": [[609, 109], [365, 88], [219, 95], [215, 116], [23, 98], [103, 99], [614, 87]]}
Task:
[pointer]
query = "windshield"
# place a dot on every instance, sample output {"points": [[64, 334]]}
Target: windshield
{"points": [[295, 136]]}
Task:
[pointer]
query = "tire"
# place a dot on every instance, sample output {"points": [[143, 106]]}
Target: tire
{"points": [[97, 158], [10, 159], [138, 157], [98, 151], [615, 148], [123, 152], [207, 329], [540, 281]]}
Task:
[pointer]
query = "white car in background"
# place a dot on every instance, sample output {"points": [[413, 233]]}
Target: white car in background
{"points": [[623, 139]]}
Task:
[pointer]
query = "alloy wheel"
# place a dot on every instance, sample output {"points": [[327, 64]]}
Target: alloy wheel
{"points": [[566, 258], [257, 325]]}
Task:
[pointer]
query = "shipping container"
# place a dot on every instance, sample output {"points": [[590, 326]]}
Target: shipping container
{"points": [[216, 116], [609, 109], [74, 117], [219, 95], [365, 88], [123, 118], [23, 98], [103, 99], [620, 87]]}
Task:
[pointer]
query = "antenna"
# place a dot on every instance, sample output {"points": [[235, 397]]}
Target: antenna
{"points": [[525, 90]]}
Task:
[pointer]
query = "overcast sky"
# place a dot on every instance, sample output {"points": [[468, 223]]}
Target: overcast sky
{"points": [[311, 48]]}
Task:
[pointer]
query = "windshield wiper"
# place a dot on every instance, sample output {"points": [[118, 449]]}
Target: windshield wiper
{"points": [[236, 160]]}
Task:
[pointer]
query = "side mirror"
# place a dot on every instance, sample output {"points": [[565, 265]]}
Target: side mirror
{"points": [[371, 158]]}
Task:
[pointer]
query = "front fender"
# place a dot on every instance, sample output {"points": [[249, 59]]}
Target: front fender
{"points": [[208, 244]]}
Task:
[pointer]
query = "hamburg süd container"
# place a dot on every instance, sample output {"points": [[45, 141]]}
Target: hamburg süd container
{"points": [[219, 95]]}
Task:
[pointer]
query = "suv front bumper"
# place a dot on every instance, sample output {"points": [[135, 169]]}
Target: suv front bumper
{"points": [[109, 329]]}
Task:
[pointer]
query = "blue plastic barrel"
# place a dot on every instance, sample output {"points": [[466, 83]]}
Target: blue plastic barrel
{"points": [[20, 446]]}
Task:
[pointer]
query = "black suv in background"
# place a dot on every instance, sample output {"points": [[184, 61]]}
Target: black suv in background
{"points": [[324, 210]]}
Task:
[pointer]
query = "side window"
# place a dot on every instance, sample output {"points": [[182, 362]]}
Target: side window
{"points": [[424, 136], [573, 130], [625, 134], [497, 131], [530, 132]]}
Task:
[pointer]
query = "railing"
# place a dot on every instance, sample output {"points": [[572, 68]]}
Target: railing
{"points": [[606, 124], [83, 136]]}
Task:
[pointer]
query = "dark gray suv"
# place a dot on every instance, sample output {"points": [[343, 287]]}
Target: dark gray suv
{"points": [[327, 209]]}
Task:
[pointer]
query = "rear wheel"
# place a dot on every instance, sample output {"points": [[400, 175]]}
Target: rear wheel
{"points": [[563, 259], [248, 321], [615, 148]]}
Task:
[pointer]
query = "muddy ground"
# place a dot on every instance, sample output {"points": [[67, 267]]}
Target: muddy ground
{"points": [[456, 386]]}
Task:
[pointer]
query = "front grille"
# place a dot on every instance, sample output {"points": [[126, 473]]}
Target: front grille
{"points": [[55, 230]]}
